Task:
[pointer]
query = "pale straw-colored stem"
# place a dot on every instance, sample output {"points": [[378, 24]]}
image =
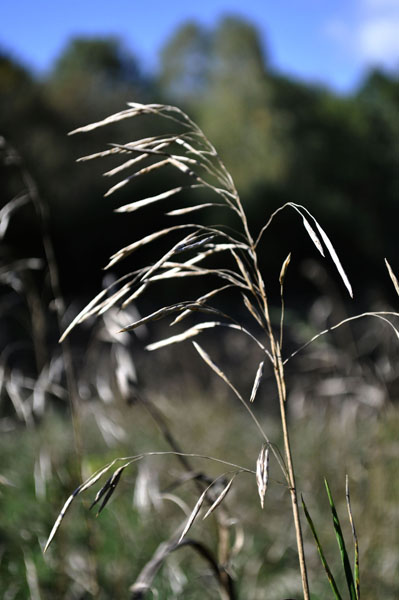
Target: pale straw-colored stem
{"points": [[278, 368], [279, 375]]}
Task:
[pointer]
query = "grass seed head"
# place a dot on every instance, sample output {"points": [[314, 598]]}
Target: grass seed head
{"points": [[262, 473]]}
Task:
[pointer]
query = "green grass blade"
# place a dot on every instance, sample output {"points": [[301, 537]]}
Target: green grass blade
{"points": [[330, 576], [355, 540], [341, 545]]}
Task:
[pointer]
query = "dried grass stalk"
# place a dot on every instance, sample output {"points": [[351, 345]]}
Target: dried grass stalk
{"points": [[191, 153]]}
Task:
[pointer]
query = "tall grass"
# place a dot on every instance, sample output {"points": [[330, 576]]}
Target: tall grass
{"points": [[228, 259]]}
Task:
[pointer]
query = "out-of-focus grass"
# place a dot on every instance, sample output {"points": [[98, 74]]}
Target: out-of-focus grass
{"points": [[103, 556]]}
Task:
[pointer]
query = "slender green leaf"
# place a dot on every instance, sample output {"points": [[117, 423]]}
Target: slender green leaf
{"points": [[341, 545], [355, 540], [330, 576]]}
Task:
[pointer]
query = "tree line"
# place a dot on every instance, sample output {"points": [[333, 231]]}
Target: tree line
{"points": [[282, 140]]}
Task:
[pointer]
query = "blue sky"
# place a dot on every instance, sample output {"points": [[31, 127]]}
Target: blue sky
{"points": [[332, 42]]}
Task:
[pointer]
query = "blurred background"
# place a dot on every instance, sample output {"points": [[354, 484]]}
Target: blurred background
{"points": [[301, 100]]}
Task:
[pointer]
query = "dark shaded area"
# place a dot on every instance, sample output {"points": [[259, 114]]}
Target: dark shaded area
{"points": [[281, 139]]}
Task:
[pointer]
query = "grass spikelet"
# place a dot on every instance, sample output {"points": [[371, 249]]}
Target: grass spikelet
{"points": [[257, 381], [199, 241], [220, 498], [124, 114], [281, 279], [59, 519], [243, 270], [169, 310], [194, 513], [313, 235], [102, 154], [201, 300], [189, 209], [156, 315], [284, 268], [178, 247], [200, 502], [135, 294], [108, 489], [127, 250], [81, 316], [392, 276], [327, 243], [144, 171], [114, 299], [95, 477], [150, 200], [262, 473], [207, 359], [82, 488], [189, 333]]}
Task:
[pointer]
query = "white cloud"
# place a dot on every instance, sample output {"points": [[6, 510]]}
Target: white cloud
{"points": [[378, 41], [381, 4], [370, 34]]}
